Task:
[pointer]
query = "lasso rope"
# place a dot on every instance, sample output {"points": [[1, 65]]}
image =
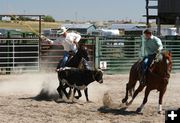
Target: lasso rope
{"points": [[27, 25]]}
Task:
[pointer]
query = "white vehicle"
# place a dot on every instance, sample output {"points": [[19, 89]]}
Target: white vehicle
{"points": [[109, 32], [169, 32]]}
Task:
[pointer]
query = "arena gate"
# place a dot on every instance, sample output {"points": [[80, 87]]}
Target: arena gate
{"points": [[19, 55], [28, 55], [117, 55]]}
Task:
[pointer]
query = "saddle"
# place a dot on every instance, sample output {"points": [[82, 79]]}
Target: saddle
{"points": [[157, 58], [71, 54]]}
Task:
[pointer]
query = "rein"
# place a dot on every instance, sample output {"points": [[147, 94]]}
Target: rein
{"points": [[166, 73]]}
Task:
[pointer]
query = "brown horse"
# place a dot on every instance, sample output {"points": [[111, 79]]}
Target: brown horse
{"points": [[157, 77]]}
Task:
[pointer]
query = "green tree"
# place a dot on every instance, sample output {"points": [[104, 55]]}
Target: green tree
{"points": [[49, 18]]}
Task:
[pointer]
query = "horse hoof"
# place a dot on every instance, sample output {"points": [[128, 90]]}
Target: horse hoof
{"points": [[128, 104], [124, 100], [139, 110]]}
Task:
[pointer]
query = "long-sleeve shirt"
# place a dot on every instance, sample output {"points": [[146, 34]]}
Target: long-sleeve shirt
{"points": [[68, 41], [152, 45]]}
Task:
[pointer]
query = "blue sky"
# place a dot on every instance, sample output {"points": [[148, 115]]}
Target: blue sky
{"points": [[80, 9]]}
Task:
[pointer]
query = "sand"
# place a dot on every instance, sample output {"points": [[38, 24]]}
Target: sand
{"points": [[29, 98]]}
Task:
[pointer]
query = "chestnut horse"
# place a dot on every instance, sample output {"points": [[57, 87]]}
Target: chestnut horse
{"points": [[157, 77]]}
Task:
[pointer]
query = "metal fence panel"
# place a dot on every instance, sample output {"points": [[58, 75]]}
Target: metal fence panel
{"points": [[118, 55], [19, 55]]}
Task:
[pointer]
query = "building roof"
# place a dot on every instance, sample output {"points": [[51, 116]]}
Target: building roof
{"points": [[78, 26], [128, 26]]}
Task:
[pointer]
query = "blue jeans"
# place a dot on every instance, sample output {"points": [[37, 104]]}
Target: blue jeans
{"points": [[147, 60], [63, 61]]}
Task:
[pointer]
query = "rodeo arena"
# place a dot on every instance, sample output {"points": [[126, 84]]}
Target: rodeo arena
{"points": [[82, 73]]}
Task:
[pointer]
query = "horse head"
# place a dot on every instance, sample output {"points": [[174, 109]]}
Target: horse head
{"points": [[167, 60], [164, 66], [83, 52]]}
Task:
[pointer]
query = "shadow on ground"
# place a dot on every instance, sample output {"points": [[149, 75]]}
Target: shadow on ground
{"points": [[44, 95], [121, 111]]}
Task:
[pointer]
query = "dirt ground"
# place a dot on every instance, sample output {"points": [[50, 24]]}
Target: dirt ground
{"points": [[19, 102]]}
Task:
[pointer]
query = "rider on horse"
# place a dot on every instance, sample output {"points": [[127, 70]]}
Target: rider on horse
{"points": [[70, 43], [152, 46]]}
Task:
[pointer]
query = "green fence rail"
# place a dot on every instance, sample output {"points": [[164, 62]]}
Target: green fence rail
{"points": [[118, 55]]}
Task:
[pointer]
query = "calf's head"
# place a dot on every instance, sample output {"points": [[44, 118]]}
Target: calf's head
{"points": [[98, 75]]}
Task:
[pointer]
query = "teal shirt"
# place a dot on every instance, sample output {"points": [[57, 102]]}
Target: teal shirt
{"points": [[152, 45]]}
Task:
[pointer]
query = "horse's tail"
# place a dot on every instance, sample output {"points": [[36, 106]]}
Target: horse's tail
{"points": [[133, 77]]}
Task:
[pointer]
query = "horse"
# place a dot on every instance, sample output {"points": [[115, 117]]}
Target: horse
{"points": [[76, 62], [157, 77]]}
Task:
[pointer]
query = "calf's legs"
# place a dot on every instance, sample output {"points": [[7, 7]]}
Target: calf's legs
{"points": [[61, 89], [79, 93], [86, 94]]}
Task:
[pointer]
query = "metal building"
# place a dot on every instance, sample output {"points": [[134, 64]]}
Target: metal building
{"points": [[81, 28], [168, 12]]}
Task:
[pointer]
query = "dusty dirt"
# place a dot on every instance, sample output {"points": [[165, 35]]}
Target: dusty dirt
{"points": [[20, 101]]}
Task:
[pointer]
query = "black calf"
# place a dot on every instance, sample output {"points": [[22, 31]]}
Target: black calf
{"points": [[78, 79]]}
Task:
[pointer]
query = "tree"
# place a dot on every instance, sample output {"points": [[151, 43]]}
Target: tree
{"points": [[49, 18]]}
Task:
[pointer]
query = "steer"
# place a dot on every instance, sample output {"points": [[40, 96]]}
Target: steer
{"points": [[78, 79]]}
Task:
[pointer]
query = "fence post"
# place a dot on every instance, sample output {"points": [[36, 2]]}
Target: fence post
{"points": [[142, 46], [97, 49], [13, 51]]}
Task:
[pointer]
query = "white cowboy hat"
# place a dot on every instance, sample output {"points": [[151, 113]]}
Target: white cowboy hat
{"points": [[62, 30]]}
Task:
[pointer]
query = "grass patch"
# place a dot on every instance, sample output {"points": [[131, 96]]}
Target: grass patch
{"points": [[27, 25]]}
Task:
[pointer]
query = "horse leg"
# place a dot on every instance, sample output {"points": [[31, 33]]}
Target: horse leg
{"points": [[128, 88], [126, 96], [161, 94], [139, 89], [147, 91]]}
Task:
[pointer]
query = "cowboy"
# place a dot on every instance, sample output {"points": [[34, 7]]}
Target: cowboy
{"points": [[152, 46], [70, 43]]}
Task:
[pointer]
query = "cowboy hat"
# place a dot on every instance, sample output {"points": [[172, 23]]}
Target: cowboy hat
{"points": [[61, 31]]}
